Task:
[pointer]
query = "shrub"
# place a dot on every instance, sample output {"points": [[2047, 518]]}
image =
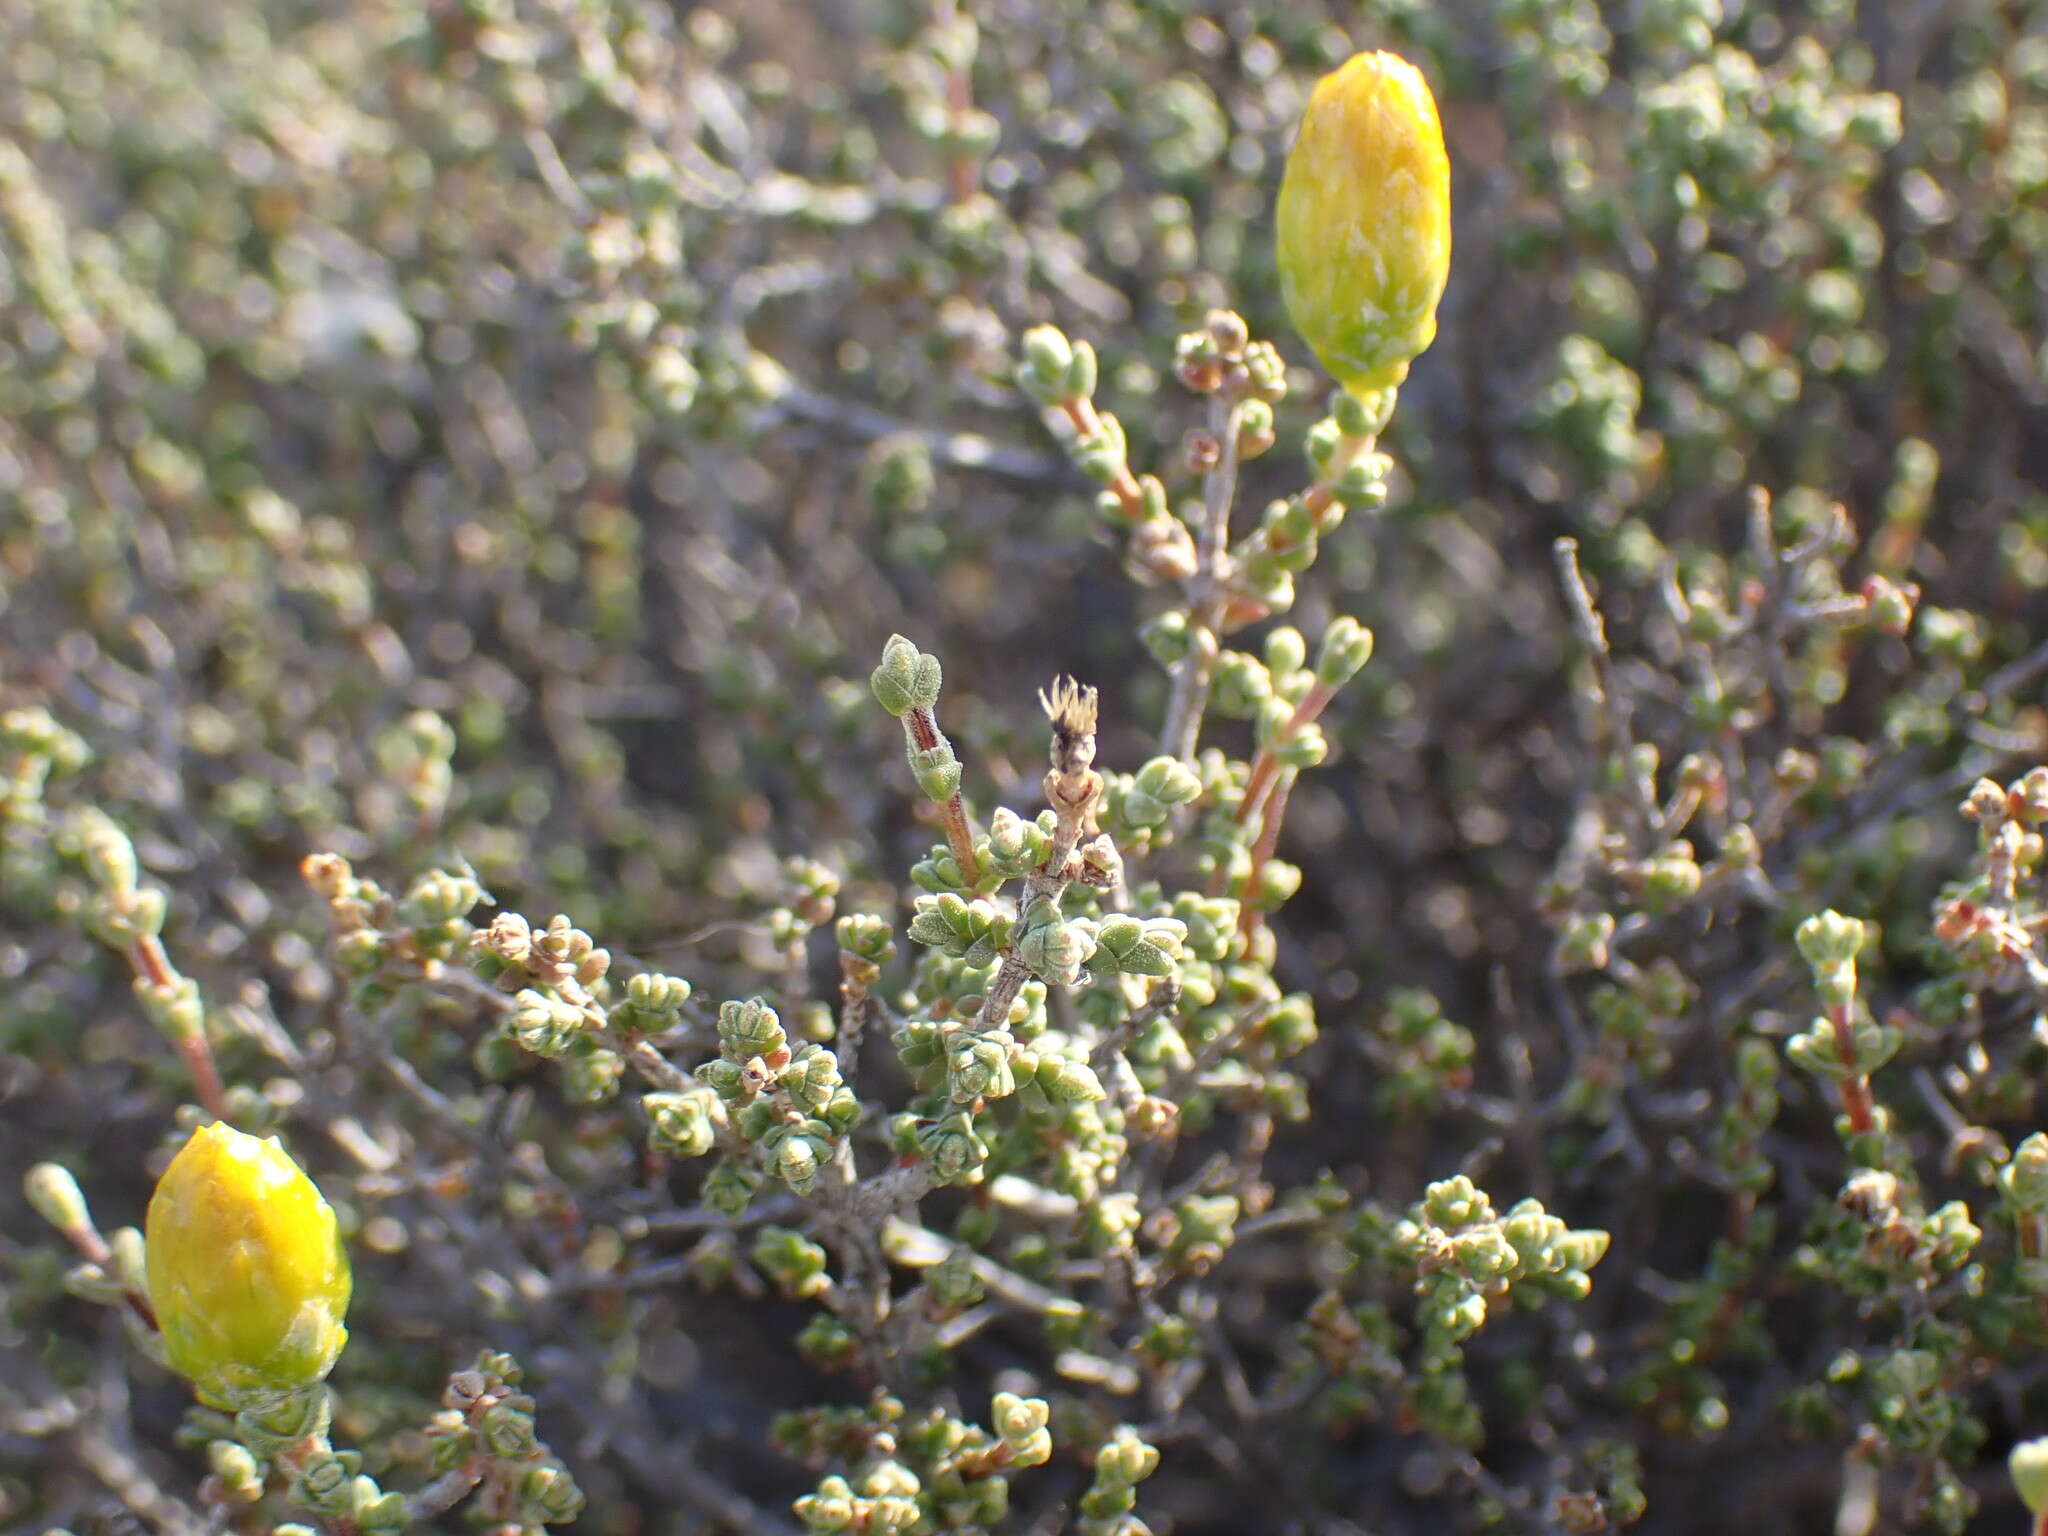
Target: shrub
{"points": [[1490, 980]]}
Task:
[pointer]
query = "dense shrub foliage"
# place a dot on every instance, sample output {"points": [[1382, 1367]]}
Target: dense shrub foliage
{"points": [[1453, 960]]}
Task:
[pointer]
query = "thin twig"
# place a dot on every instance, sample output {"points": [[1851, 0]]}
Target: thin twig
{"points": [[1262, 851], [66, 1420], [1267, 764], [921, 725], [153, 967], [883, 1195], [1164, 998], [1592, 633], [1209, 591], [951, 450], [1854, 1087], [444, 1492]]}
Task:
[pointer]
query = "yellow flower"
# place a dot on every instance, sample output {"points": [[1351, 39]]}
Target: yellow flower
{"points": [[1364, 221], [245, 1270]]}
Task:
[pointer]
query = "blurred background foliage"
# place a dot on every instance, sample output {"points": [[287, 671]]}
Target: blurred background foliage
{"points": [[507, 430]]}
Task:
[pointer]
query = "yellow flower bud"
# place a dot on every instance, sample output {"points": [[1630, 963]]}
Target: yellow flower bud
{"points": [[1364, 221], [246, 1270]]}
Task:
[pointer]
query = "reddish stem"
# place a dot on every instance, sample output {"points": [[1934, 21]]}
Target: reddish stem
{"points": [[206, 1083], [1080, 412], [94, 1250], [1268, 765], [139, 1304], [924, 732], [1262, 851], [1857, 1103], [146, 955], [964, 172]]}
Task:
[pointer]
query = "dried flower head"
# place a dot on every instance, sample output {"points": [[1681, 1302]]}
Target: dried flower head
{"points": [[1071, 707]]}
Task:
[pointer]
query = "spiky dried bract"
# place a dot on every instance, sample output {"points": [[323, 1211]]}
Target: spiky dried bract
{"points": [[1072, 709], [1363, 226], [1072, 786], [246, 1270]]}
